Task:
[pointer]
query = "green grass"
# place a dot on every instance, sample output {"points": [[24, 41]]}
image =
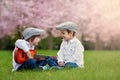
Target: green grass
{"points": [[99, 65]]}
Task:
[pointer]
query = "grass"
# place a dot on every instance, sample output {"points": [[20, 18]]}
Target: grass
{"points": [[99, 65]]}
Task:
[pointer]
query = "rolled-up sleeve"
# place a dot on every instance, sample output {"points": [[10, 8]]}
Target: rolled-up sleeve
{"points": [[60, 54], [79, 54]]}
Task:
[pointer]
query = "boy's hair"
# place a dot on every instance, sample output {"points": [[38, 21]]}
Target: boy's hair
{"points": [[70, 32], [33, 37]]}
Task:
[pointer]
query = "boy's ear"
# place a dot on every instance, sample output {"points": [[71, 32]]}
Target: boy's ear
{"points": [[29, 40], [71, 33]]}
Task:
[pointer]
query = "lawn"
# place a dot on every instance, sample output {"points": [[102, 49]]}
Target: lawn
{"points": [[99, 65]]}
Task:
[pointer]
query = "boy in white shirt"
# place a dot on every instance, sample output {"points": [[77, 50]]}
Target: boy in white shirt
{"points": [[71, 50], [31, 38]]}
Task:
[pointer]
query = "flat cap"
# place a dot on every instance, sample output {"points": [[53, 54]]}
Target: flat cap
{"points": [[67, 26], [29, 32]]}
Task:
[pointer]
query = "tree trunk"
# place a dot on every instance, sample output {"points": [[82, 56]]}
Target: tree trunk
{"points": [[50, 42]]}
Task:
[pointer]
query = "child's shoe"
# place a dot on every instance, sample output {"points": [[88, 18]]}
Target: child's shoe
{"points": [[46, 67], [40, 68], [55, 68]]}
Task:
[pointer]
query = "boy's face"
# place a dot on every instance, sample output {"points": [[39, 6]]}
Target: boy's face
{"points": [[36, 40], [65, 35]]}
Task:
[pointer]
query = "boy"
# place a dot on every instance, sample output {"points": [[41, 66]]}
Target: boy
{"points": [[31, 37], [71, 50]]}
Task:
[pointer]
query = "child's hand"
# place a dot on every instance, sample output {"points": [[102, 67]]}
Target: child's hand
{"points": [[29, 55], [55, 57], [61, 64], [42, 58]]}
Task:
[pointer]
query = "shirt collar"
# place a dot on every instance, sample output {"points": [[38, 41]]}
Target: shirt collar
{"points": [[70, 41]]}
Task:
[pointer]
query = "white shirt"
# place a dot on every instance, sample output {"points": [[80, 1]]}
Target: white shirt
{"points": [[25, 46], [71, 51]]}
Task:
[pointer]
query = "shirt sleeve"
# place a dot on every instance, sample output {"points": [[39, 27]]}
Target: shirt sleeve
{"points": [[60, 53], [79, 56], [22, 44]]}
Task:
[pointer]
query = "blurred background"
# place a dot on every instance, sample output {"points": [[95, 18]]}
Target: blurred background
{"points": [[98, 21]]}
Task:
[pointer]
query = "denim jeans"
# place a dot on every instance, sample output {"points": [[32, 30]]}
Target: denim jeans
{"points": [[53, 62], [70, 65], [32, 64]]}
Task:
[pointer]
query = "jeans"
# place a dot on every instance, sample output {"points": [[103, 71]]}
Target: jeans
{"points": [[71, 65], [53, 62], [31, 64]]}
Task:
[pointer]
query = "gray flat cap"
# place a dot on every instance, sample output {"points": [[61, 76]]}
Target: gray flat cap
{"points": [[29, 32], [67, 26]]}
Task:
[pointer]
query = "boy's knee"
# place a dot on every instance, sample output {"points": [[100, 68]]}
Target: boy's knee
{"points": [[49, 59], [71, 65], [31, 61]]}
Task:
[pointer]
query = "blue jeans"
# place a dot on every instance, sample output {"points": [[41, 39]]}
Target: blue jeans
{"points": [[53, 62], [31, 64], [71, 65]]}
